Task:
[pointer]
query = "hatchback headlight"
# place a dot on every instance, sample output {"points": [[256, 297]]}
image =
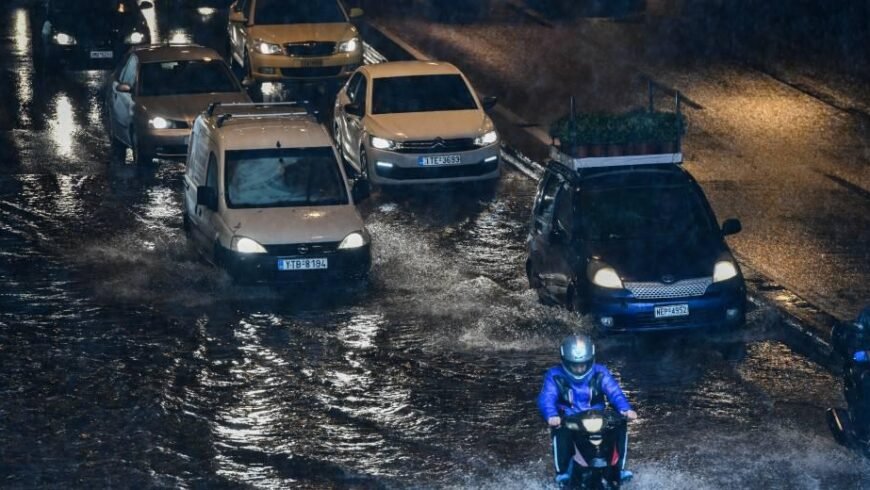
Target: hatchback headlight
{"points": [[383, 143], [349, 46], [135, 38], [245, 245], [354, 240], [607, 277], [64, 39], [163, 123], [269, 48], [487, 139], [724, 270], [593, 424]]}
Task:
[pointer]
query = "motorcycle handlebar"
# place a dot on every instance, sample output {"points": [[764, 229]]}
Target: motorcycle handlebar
{"points": [[612, 419]]}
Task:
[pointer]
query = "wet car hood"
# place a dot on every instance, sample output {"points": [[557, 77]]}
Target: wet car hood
{"points": [[285, 226], [297, 33], [651, 259], [185, 107], [429, 125]]}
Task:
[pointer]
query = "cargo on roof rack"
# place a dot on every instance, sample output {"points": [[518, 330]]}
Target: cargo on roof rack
{"points": [[243, 110]]}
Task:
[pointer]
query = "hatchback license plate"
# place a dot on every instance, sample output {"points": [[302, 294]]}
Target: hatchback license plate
{"points": [[671, 311], [101, 55], [302, 264], [439, 160]]}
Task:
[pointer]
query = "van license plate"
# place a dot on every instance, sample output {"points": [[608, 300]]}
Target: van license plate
{"points": [[302, 264], [671, 311], [439, 160], [101, 55]]}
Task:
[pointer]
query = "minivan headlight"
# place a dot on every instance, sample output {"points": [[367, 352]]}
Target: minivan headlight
{"points": [[245, 245], [383, 143], [487, 139], [349, 46], [64, 39], [268, 48], [724, 270], [607, 277], [354, 240]]}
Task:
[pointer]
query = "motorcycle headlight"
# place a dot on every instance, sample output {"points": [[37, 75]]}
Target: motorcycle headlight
{"points": [[354, 240], [349, 46], [245, 245], [163, 123], [383, 143], [64, 39], [487, 139], [724, 270], [135, 38], [593, 424], [269, 48], [607, 277]]}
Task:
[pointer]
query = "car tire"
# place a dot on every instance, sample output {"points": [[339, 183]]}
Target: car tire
{"points": [[117, 150], [364, 170], [140, 157]]}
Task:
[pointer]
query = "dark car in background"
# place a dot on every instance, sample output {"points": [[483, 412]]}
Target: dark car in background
{"points": [[84, 34], [637, 247]]}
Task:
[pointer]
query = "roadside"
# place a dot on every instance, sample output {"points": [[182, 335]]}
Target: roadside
{"points": [[483, 51]]}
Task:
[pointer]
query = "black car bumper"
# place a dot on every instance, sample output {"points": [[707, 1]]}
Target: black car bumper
{"points": [[343, 265]]}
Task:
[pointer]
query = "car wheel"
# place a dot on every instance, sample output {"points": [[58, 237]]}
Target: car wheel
{"points": [[140, 157], [364, 168], [117, 150]]}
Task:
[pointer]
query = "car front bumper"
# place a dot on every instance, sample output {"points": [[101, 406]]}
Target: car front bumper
{"points": [[164, 143], [344, 265], [394, 168], [83, 57], [722, 306], [277, 68]]}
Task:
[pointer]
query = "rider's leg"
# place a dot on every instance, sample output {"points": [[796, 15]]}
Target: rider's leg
{"points": [[563, 452]]}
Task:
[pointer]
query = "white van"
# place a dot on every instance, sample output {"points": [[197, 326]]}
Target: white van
{"points": [[266, 198]]}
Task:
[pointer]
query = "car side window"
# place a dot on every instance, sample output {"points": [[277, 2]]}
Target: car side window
{"points": [[211, 178], [546, 207], [564, 215]]}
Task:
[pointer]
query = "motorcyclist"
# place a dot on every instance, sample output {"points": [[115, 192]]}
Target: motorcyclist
{"points": [[852, 342], [575, 386]]}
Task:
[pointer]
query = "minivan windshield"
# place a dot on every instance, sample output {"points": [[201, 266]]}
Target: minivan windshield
{"points": [[284, 177], [642, 212], [423, 93], [272, 12], [186, 77]]}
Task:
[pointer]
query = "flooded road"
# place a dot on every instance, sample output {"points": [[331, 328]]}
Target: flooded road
{"points": [[129, 362]]}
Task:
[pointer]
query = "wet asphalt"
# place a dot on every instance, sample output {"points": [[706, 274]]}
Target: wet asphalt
{"points": [[128, 362]]}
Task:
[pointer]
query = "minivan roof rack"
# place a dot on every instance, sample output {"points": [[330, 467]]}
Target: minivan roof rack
{"points": [[248, 110]]}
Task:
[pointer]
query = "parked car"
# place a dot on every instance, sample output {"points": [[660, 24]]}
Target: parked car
{"points": [[267, 199], [635, 245], [415, 122], [275, 40], [82, 34], [158, 91]]}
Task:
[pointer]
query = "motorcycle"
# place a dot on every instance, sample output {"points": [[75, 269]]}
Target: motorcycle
{"points": [[851, 426], [596, 458]]}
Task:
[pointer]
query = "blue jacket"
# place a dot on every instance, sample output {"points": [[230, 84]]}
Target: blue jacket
{"points": [[551, 405]]}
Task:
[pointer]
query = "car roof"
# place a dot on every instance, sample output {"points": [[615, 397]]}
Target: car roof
{"points": [[410, 68], [268, 131], [163, 52], [627, 176]]}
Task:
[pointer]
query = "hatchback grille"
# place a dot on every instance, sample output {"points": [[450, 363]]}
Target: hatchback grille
{"points": [[311, 48], [437, 146], [303, 249], [680, 289]]}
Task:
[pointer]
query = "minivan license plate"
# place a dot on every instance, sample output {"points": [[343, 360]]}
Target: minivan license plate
{"points": [[671, 311], [439, 160], [101, 55], [302, 264]]}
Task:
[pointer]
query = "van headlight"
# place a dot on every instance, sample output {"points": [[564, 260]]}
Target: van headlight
{"points": [[135, 38], [593, 424], [383, 143], [349, 46], [64, 39], [245, 245], [354, 240], [606, 277], [724, 270], [487, 139], [269, 48]]}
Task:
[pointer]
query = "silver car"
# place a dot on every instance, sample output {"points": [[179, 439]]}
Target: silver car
{"points": [[158, 91]]}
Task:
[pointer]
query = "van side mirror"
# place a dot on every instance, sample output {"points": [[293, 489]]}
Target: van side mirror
{"points": [[731, 227], [354, 109], [361, 190], [206, 196], [489, 102], [356, 13]]}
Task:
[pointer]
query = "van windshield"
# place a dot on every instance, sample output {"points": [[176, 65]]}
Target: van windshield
{"points": [[284, 177]]}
